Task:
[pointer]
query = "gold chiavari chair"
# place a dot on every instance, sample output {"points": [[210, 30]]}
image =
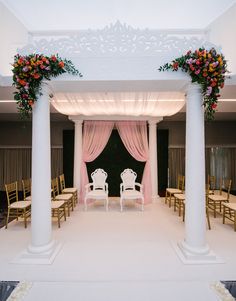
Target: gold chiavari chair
{"points": [[67, 198], [69, 190], [15, 207], [215, 201], [171, 191], [26, 186]]}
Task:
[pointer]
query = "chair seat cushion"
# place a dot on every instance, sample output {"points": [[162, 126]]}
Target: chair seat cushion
{"points": [[180, 196], [57, 204], [173, 190], [131, 194], [20, 204], [69, 190], [96, 194], [231, 206], [64, 197], [216, 198]]}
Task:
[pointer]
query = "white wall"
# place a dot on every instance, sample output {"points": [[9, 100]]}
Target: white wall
{"points": [[12, 35], [222, 33]]}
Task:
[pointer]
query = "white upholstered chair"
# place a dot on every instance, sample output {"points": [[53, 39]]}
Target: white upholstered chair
{"points": [[128, 189], [98, 189]]}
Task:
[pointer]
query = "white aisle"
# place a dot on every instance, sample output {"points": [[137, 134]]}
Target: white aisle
{"points": [[120, 256]]}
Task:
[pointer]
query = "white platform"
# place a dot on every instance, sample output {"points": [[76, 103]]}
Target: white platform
{"points": [[120, 256]]}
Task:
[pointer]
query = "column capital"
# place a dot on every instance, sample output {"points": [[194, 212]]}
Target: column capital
{"points": [[153, 122], [193, 88], [75, 119]]}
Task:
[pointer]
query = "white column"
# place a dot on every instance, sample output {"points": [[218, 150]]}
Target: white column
{"points": [[77, 152], [194, 247], [42, 249], [153, 156]]}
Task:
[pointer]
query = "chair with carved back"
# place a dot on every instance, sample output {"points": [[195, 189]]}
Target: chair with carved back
{"points": [[16, 208], [128, 187], [97, 189]]}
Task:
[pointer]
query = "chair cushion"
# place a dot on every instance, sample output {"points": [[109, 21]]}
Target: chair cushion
{"points": [[64, 197], [20, 204], [180, 196], [69, 190], [131, 194], [173, 190], [215, 197], [96, 194], [57, 204], [28, 198], [231, 206]]}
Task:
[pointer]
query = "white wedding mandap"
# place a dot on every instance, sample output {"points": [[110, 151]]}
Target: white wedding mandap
{"points": [[122, 88]]}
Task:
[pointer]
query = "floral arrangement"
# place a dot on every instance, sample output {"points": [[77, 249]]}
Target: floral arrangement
{"points": [[28, 73], [206, 68]]}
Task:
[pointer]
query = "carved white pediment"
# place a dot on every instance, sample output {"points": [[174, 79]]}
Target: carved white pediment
{"points": [[116, 40]]}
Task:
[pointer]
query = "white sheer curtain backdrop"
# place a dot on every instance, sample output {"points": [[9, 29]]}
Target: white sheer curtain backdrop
{"points": [[119, 103]]}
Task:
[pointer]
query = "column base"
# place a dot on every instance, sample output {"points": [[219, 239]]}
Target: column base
{"points": [[40, 255], [189, 255]]}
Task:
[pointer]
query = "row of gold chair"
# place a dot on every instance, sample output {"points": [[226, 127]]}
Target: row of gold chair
{"points": [[216, 200], [65, 198]]}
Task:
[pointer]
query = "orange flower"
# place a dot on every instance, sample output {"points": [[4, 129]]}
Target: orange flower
{"points": [[30, 102], [22, 82], [61, 64]]}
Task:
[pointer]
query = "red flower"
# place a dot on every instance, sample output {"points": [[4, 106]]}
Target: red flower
{"points": [[53, 58], [36, 75], [214, 106]]}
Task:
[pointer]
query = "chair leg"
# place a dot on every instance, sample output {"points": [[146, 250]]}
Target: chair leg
{"points": [[215, 209], [7, 218], [58, 217], [208, 219], [234, 220], [166, 197], [121, 205], [106, 204], [142, 208], [25, 220], [223, 214], [64, 209]]}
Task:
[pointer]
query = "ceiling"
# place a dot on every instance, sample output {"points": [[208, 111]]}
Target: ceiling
{"points": [[153, 14]]}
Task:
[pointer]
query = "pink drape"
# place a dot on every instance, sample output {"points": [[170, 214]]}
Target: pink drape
{"points": [[95, 137], [134, 136]]}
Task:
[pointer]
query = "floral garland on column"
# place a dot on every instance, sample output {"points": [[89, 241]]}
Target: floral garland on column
{"points": [[28, 73], [207, 68]]}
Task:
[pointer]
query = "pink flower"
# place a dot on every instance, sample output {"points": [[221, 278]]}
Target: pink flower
{"points": [[209, 90], [197, 71]]}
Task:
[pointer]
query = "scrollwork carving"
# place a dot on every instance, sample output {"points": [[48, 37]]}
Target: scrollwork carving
{"points": [[116, 40]]}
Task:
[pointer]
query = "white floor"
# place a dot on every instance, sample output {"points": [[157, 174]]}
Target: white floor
{"points": [[120, 256]]}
